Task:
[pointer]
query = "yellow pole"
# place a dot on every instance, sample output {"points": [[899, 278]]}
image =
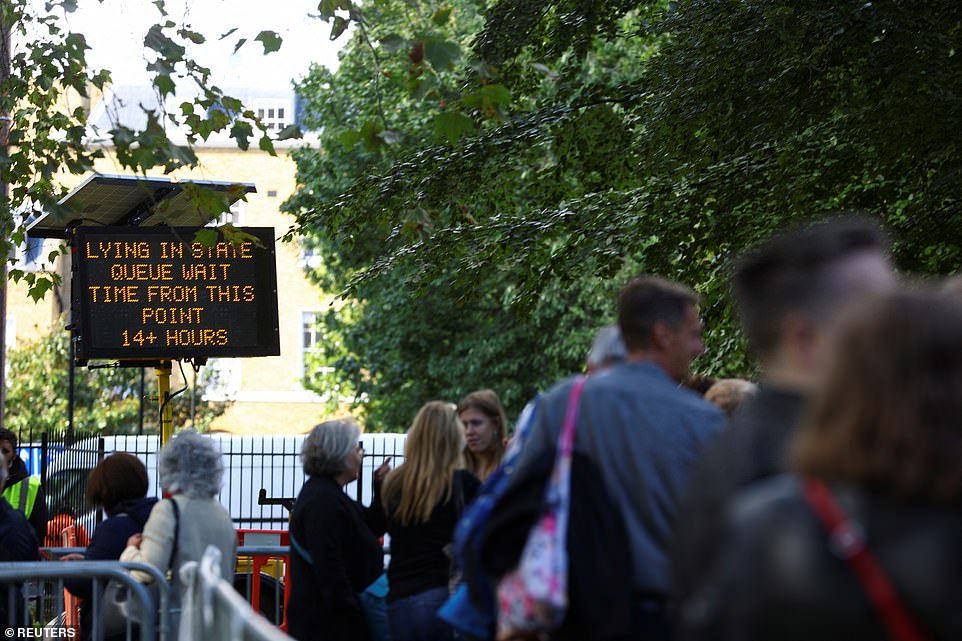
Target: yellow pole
{"points": [[163, 370]]}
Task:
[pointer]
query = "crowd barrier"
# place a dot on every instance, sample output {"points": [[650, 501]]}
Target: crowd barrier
{"points": [[211, 610], [41, 611]]}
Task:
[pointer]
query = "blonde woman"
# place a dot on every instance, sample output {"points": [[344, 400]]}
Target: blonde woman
{"points": [[486, 431], [423, 499]]}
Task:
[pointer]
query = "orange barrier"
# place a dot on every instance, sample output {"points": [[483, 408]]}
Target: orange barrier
{"points": [[71, 604], [258, 562]]}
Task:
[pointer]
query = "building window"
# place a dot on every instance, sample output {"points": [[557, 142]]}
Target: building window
{"points": [[31, 256], [222, 379], [310, 336], [275, 114], [310, 257], [234, 216], [10, 328]]}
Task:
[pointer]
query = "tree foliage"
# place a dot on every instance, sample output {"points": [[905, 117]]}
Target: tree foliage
{"points": [[47, 136], [106, 400], [665, 137]]}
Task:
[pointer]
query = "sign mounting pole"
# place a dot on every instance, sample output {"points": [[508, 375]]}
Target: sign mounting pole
{"points": [[163, 370]]}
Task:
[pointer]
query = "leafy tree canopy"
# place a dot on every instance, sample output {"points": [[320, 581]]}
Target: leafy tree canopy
{"points": [[618, 136], [45, 136]]}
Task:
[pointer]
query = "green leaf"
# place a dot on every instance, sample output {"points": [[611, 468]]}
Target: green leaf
{"points": [[240, 43], [393, 43], [452, 125], [441, 16], [157, 40], [339, 27], [206, 236], [193, 36], [348, 138], [225, 35], [288, 132], [270, 39], [266, 144], [242, 131], [441, 53], [165, 84]]}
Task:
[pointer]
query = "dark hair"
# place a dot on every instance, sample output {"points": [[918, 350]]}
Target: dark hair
{"points": [[793, 271], [119, 477], [887, 413], [7, 435], [647, 300]]}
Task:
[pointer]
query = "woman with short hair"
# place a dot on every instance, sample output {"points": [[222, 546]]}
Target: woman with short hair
{"points": [[423, 499], [190, 469], [883, 443], [118, 485], [335, 551], [485, 431]]}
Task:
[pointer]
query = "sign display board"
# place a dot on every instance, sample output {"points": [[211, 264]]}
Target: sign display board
{"points": [[155, 293]]}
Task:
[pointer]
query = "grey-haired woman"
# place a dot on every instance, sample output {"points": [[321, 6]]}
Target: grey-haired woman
{"points": [[335, 551], [179, 529]]}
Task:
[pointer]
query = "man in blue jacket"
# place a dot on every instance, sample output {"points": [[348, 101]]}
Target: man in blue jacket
{"points": [[642, 432]]}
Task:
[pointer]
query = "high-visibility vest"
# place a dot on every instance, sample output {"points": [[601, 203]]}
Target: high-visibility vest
{"points": [[21, 500]]}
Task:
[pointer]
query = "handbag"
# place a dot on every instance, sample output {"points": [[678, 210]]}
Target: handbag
{"points": [[848, 542], [533, 597], [118, 608], [373, 598]]}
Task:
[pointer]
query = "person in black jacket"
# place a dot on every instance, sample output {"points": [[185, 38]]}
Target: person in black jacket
{"points": [[118, 484], [335, 552], [18, 542], [423, 499], [885, 434], [788, 291], [22, 490]]}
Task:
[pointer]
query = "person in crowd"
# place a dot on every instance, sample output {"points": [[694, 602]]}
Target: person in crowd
{"points": [[23, 490], [19, 544], [118, 485], [699, 383], [642, 432], [485, 431], [883, 441], [335, 551], [423, 499], [179, 529], [606, 350], [788, 290], [729, 393]]}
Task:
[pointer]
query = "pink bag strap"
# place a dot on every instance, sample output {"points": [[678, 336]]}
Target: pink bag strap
{"points": [[566, 440]]}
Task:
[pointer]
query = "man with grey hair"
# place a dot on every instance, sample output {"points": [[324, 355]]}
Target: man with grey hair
{"points": [[641, 432], [606, 350]]}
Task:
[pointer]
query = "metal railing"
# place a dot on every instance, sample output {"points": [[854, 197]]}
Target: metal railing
{"points": [[45, 608], [212, 610]]}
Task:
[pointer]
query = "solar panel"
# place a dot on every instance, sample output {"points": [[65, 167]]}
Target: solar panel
{"points": [[104, 199]]}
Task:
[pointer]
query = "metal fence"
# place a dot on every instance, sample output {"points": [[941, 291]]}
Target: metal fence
{"points": [[37, 605], [213, 611], [262, 474]]}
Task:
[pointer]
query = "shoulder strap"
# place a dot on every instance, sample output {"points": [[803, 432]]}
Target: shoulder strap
{"points": [[567, 438], [300, 549], [848, 542], [173, 548]]}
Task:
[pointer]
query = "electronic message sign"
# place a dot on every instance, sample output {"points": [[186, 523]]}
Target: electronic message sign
{"points": [[156, 293]]}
